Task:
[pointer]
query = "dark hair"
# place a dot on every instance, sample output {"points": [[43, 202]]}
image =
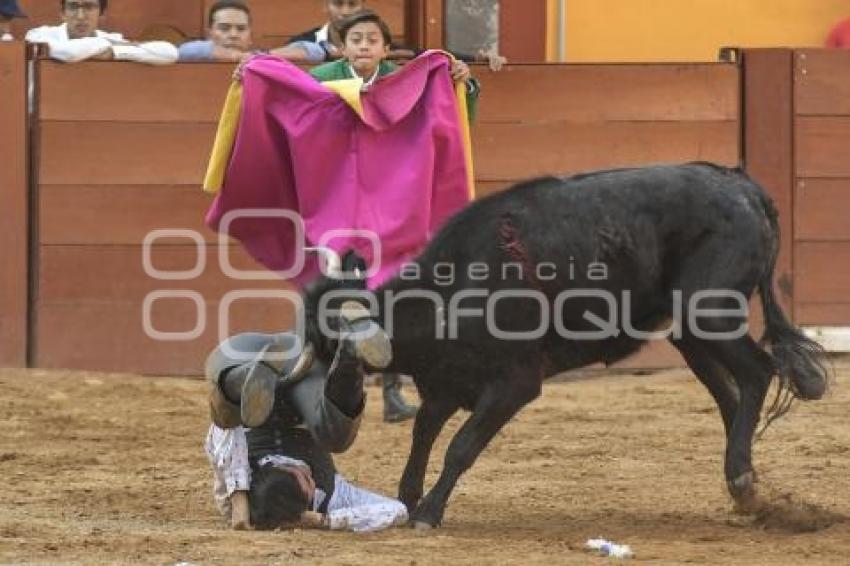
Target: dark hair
{"points": [[275, 498], [104, 4], [365, 16], [227, 5]]}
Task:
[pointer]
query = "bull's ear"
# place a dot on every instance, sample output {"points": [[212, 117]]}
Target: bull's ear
{"points": [[351, 263]]}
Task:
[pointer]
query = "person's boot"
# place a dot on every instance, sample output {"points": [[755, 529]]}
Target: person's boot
{"points": [[396, 408], [363, 337], [257, 395], [253, 386]]}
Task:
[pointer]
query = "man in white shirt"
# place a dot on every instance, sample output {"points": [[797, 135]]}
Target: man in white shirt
{"points": [[78, 39]]}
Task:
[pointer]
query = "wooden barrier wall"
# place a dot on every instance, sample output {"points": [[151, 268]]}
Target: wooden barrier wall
{"points": [[14, 205], [821, 186], [121, 149], [120, 152]]}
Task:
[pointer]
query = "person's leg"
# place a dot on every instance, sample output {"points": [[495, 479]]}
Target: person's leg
{"points": [[396, 408], [331, 399], [243, 391]]}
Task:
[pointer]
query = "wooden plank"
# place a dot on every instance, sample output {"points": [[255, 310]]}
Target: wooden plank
{"points": [[272, 41], [117, 273], [125, 214], [414, 22], [768, 147], [273, 18], [822, 82], [522, 31], [594, 93], [111, 336], [131, 17], [821, 209], [39, 13], [821, 145], [115, 153], [128, 92], [517, 151], [435, 25], [194, 93], [14, 194], [176, 154], [822, 272], [106, 214], [823, 314]]}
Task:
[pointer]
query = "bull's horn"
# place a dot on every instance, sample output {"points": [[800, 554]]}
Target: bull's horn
{"points": [[329, 262]]}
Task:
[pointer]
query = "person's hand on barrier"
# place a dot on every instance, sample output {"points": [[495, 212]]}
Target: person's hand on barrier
{"points": [[493, 59], [240, 68], [460, 71]]}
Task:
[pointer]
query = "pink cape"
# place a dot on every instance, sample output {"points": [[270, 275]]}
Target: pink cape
{"points": [[398, 172]]}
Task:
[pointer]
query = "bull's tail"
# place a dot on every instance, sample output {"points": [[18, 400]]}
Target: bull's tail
{"points": [[798, 360]]}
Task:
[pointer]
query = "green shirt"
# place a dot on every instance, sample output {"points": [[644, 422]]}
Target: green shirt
{"points": [[340, 70]]}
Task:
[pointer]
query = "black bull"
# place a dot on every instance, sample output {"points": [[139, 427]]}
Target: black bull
{"points": [[581, 265]]}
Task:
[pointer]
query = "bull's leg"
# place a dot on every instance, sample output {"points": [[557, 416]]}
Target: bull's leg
{"points": [[752, 369], [496, 406], [430, 419], [714, 376]]}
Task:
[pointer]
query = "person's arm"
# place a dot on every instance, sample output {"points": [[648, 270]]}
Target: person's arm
{"points": [[69, 50], [199, 50], [359, 510], [301, 52], [227, 451], [151, 52]]}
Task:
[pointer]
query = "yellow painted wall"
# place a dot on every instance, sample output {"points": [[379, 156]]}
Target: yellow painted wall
{"points": [[688, 30]]}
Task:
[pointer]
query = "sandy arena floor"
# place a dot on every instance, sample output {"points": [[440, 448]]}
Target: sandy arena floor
{"points": [[109, 469]]}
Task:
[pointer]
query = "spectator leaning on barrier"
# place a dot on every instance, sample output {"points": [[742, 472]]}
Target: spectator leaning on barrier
{"points": [[9, 10], [78, 38], [229, 38], [328, 35], [840, 35]]}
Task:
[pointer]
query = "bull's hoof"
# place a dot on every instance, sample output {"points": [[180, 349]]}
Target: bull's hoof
{"points": [[421, 526], [743, 491]]}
